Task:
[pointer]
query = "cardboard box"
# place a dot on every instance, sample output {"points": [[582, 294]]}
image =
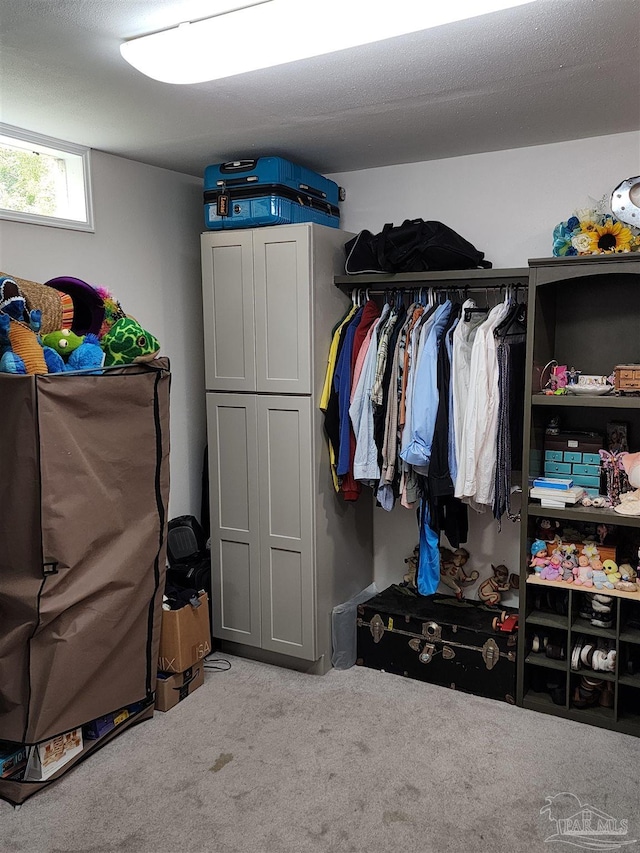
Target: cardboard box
{"points": [[48, 757], [185, 637], [13, 756], [171, 689]]}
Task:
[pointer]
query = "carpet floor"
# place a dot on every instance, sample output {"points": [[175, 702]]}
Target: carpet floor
{"points": [[262, 759]]}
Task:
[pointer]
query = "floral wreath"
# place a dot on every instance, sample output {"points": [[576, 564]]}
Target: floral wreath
{"points": [[593, 231]]}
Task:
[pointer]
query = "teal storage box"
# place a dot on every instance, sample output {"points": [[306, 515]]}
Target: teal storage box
{"points": [[587, 482], [591, 458], [557, 468], [553, 455], [572, 456], [587, 470]]}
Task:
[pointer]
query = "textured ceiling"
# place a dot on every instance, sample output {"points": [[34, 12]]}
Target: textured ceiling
{"points": [[546, 72]]}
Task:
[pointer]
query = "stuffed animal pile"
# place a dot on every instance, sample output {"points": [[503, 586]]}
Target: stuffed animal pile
{"points": [[66, 325]]}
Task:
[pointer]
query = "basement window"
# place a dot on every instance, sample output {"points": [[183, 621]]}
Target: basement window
{"points": [[44, 181]]}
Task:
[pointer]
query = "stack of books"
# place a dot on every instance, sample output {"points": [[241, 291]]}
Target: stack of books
{"points": [[556, 492]]}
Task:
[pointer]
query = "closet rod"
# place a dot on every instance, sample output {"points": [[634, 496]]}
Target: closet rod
{"points": [[443, 287]]}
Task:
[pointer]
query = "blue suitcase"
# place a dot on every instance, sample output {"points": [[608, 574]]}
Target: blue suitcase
{"points": [[268, 191]]}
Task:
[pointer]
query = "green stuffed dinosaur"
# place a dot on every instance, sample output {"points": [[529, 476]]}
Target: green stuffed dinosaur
{"points": [[127, 342]]}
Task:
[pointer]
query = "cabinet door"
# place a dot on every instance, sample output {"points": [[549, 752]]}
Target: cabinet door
{"points": [[232, 437], [282, 276], [229, 337], [286, 532]]}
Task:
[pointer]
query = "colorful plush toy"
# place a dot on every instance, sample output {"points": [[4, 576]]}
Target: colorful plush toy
{"points": [[610, 568], [583, 573], [127, 342], [599, 577], [553, 570], [66, 351], [63, 341], [20, 347], [539, 556]]}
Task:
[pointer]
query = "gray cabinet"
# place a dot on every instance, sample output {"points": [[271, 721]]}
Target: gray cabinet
{"points": [[285, 548], [257, 310]]}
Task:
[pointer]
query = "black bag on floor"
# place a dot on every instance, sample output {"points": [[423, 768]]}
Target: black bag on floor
{"points": [[186, 540], [415, 246]]}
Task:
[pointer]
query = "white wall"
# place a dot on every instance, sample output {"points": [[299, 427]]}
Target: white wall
{"points": [[507, 204], [146, 251]]}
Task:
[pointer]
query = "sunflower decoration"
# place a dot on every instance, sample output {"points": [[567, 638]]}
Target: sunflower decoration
{"points": [[589, 232]]}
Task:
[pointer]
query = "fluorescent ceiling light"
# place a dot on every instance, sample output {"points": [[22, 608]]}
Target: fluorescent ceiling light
{"points": [[275, 32]]}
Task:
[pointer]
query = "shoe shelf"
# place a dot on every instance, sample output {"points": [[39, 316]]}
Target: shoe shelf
{"points": [[546, 677], [548, 620], [631, 636], [630, 681], [583, 313], [541, 660]]}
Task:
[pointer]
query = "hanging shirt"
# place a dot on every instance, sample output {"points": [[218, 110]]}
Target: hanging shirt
{"points": [[384, 336], [453, 463], [366, 344], [477, 463], [328, 399], [332, 358], [342, 384], [424, 405], [462, 342], [365, 460]]}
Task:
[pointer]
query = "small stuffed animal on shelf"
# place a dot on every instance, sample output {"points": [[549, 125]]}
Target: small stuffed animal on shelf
{"points": [[583, 573], [610, 568], [539, 556], [451, 570], [490, 590], [599, 576], [548, 529], [569, 553], [553, 570], [628, 576]]}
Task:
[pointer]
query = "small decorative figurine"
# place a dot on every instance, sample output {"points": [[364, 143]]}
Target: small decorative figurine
{"points": [[451, 570], [409, 579], [491, 589], [615, 474]]}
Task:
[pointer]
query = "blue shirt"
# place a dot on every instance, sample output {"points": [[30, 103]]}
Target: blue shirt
{"points": [[424, 404]]}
